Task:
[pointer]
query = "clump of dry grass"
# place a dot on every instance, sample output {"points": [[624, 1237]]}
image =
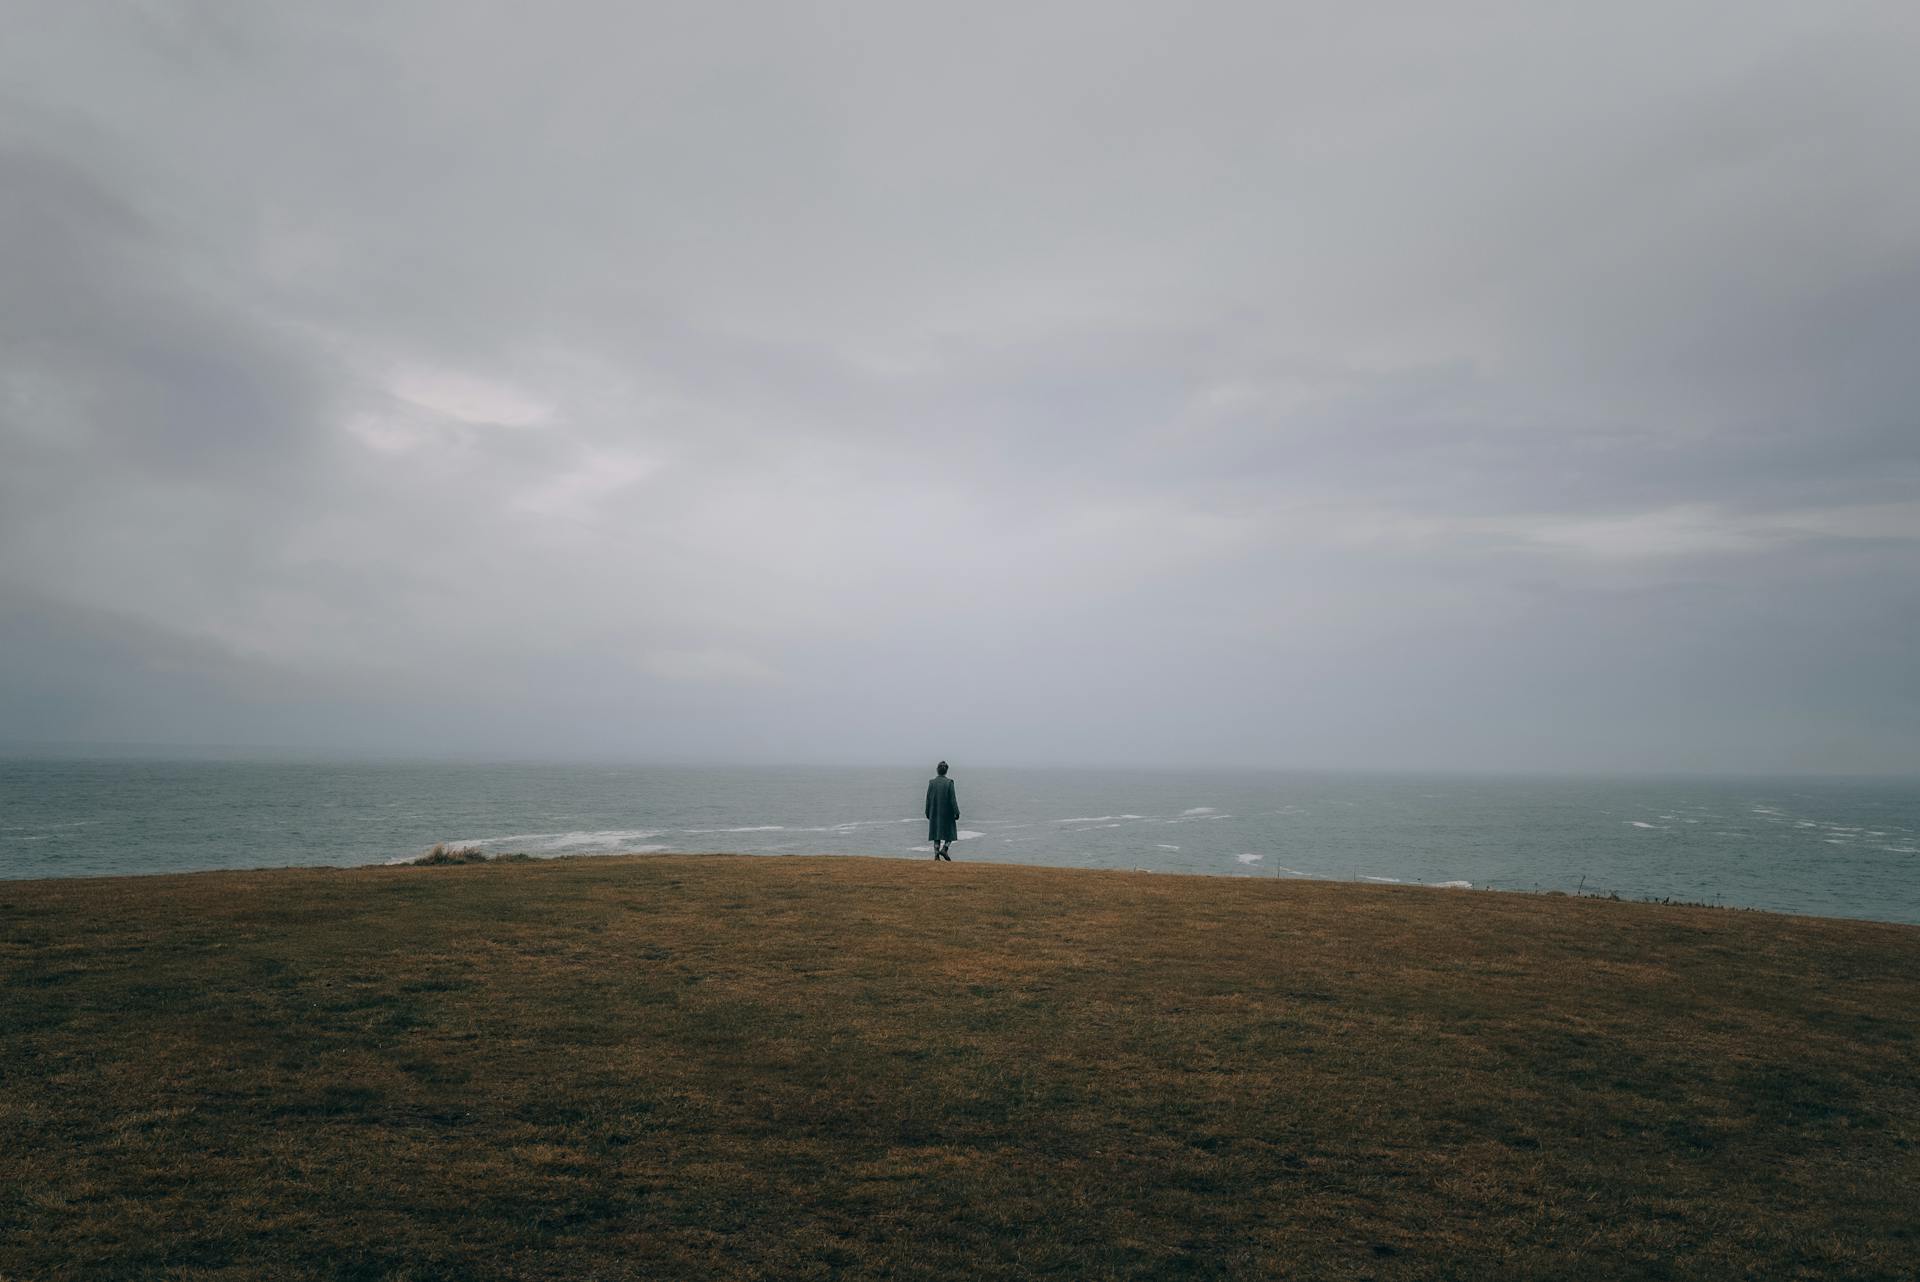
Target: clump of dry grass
{"points": [[707, 1067], [441, 853]]}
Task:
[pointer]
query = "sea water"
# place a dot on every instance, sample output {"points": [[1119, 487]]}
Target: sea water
{"points": [[1848, 848]]}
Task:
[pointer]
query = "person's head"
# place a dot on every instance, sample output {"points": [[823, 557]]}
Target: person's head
{"points": [[942, 767]]}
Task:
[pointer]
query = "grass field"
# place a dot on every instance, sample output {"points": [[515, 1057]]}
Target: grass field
{"points": [[694, 1067]]}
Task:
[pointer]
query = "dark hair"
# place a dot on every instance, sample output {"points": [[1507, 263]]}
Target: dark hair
{"points": [[942, 767]]}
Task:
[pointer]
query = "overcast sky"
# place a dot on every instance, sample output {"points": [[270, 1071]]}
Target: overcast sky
{"points": [[1466, 385]]}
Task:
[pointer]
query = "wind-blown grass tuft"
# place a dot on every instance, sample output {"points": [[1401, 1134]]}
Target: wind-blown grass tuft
{"points": [[441, 854]]}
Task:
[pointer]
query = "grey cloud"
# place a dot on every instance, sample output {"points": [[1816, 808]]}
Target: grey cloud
{"points": [[1278, 383]]}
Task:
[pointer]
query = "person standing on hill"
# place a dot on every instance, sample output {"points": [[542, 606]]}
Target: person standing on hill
{"points": [[943, 814]]}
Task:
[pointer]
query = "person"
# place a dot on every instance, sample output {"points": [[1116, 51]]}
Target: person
{"points": [[943, 814]]}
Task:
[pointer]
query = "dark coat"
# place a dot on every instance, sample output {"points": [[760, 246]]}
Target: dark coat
{"points": [[943, 810]]}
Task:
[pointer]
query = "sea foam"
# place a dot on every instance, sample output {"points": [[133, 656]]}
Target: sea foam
{"points": [[537, 842]]}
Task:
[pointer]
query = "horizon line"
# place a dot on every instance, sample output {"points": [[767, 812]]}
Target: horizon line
{"points": [[236, 753]]}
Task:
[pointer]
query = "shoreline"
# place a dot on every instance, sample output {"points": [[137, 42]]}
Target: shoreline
{"points": [[1808, 850], [615, 856]]}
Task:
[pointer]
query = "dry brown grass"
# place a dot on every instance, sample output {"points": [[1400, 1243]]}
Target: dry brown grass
{"points": [[686, 1067], [441, 854]]}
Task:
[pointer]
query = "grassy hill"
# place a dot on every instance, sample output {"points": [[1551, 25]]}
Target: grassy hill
{"points": [[702, 1066]]}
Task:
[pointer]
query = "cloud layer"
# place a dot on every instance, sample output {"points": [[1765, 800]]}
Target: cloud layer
{"points": [[1281, 384]]}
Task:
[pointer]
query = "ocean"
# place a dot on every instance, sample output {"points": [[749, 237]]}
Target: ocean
{"points": [[1843, 848]]}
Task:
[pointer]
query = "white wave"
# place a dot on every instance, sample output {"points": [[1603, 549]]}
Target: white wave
{"points": [[1087, 819], [620, 839], [852, 825], [968, 834], [1164, 846], [535, 842], [1395, 881], [615, 840], [1249, 858], [1198, 810], [1902, 850], [1837, 841], [1451, 885], [1133, 816], [1641, 824]]}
